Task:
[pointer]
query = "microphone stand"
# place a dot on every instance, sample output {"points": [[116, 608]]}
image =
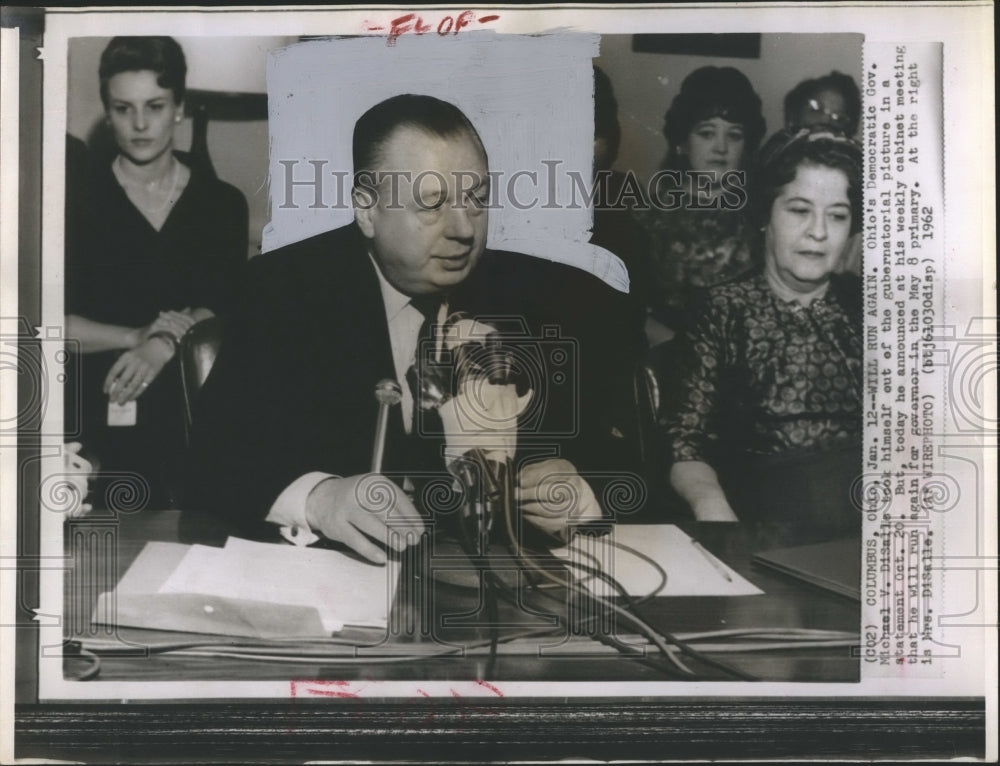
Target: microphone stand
{"points": [[487, 493], [387, 394], [488, 485]]}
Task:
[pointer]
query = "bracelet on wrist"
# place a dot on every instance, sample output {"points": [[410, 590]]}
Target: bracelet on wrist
{"points": [[166, 337]]}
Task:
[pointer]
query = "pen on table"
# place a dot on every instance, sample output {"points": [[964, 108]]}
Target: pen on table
{"points": [[716, 564]]}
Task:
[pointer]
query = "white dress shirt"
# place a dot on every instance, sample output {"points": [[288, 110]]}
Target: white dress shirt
{"points": [[405, 321]]}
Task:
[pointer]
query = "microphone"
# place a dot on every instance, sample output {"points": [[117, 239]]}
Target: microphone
{"points": [[387, 394]]}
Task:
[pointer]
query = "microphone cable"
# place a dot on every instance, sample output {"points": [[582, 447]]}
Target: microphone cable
{"points": [[648, 631], [473, 539], [629, 614], [320, 649], [633, 605], [495, 587]]}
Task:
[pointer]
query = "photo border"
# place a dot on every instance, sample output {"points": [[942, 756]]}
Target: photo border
{"points": [[675, 728]]}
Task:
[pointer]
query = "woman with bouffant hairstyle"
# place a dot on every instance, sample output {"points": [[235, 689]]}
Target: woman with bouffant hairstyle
{"points": [[713, 128]]}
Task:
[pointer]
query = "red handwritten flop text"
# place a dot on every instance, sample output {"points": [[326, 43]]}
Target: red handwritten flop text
{"points": [[371, 687], [467, 691], [411, 23]]}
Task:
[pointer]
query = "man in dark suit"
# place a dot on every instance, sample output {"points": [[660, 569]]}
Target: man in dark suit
{"points": [[285, 425]]}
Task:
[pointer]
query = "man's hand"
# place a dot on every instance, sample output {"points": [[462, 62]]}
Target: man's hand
{"points": [[553, 496], [134, 370], [358, 509]]}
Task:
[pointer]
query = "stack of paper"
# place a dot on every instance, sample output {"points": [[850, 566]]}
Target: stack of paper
{"points": [[343, 590], [690, 569], [249, 589]]}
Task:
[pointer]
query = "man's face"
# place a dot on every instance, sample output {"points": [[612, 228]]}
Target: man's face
{"points": [[427, 226]]}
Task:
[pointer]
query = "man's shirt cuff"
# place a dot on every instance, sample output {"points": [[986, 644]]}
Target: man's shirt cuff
{"points": [[289, 510]]}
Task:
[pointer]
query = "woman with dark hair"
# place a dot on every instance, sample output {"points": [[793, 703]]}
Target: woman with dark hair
{"points": [[833, 100], [768, 424], [154, 246], [694, 222]]}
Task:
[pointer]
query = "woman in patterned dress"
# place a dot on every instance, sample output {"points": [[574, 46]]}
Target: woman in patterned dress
{"points": [[694, 222], [767, 425]]}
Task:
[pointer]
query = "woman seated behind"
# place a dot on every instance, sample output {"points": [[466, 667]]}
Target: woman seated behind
{"points": [[833, 100], [768, 422], [153, 245], [695, 223]]}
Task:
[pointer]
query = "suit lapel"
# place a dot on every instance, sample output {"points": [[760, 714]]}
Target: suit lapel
{"points": [[369, 351]]}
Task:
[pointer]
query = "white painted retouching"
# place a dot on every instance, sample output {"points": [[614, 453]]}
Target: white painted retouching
{"points": [[530, 98]]}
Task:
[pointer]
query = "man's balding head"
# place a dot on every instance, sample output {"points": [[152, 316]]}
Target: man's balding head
{"points": [[421, 191], [427, 114]]}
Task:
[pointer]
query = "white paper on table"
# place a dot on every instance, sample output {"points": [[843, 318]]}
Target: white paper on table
{"points": [[691, 570], [198, 566], [343, 590]]}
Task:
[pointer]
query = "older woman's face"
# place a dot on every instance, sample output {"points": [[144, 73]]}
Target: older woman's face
{"points": [[809, 227], [715, 145], [142, 115]]}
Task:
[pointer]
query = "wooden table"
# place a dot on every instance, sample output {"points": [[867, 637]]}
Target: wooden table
{"points": [[102, 550]]}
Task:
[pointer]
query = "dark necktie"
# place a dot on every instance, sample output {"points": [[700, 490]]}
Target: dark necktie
{"points": [[427, 432]]}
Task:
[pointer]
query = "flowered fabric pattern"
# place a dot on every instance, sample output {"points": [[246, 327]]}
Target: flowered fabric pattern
{"points": [[770, 377], [691, 248]]}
